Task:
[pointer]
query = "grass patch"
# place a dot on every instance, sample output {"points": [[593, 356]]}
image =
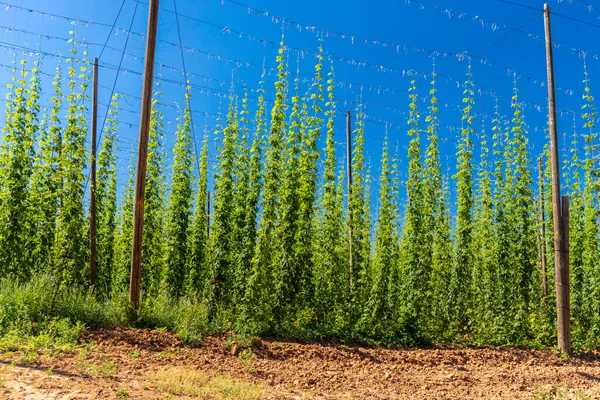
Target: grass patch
{"points": [[108, 369], [246, 359], [558, 392], [29, 357], [123, 394], [42, 316], [187, 382], [134, 354]]}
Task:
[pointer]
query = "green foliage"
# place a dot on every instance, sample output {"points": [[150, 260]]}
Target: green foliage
{"points": [[460, 283], [244, 216], [258, 302], [359, 216], [186, 317], [436, 257], [415, 261], [222, 230], [198, 257], [70, 245], [331, 274], [124, 238], [106, 203], [21, 125], [377, 317], [522, 236], [432, 194], [590, 323], [250, 208], [275, 256], [30, 313], [286, 266], [153, 246], [485, 273], [310, 134], [45, 183], [180, 206], [441, 269]]}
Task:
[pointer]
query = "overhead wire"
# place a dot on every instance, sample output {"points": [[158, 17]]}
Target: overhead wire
{"points": [[522, 26], [189, 99], [114, 86], [183, 61], [218, 92], [356, 63], [554, 12], [111, 29], [494, 25]]}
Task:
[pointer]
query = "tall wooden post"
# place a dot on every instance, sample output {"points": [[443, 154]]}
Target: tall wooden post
{"points": [[93, 177], [542, 231], [563, 310], [140, 182], [349, 162]]}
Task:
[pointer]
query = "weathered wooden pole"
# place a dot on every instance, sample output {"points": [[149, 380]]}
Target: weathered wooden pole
{"points": [[349, 163], [563, 310], [93, 177], [140, 182], [542, 231]]}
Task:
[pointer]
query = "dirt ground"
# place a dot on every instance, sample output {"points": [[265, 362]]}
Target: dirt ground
{"points": [[144, 364]]}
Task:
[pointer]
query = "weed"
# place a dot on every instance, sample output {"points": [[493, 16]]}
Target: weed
{"points": [[82, 366], [108, 369], [245, 358], [29, 357], [165, 355], [26, 315], [558, 392], [187, 382], [134, 354], [49, 371], [90, 346], [123, 394], [240, 341]]}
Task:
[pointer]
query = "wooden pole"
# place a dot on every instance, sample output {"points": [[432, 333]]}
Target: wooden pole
{"points": [[349, 162], [93, 178], [140, 183], [542, 231], [563, 311]]}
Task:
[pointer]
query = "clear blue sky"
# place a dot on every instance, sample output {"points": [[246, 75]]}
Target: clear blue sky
{"points": [[402, 23]]}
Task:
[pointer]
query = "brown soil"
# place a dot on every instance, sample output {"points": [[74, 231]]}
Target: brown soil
{"points": [[125, 363]]}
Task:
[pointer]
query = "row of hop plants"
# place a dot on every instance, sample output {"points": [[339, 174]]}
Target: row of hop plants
{"points": [[275, 257]]}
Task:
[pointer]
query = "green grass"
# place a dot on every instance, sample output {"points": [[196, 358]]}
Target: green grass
{"points": [[123, 394], [558, 392], [41, 316]]}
